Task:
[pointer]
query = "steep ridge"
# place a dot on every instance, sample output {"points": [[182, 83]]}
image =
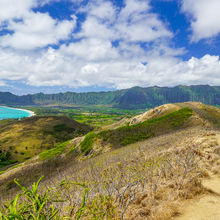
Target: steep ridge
{"points": [[161, 120], [133, 98]]}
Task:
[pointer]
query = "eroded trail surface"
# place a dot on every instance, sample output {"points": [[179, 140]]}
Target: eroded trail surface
{"points": [[205, 207]]}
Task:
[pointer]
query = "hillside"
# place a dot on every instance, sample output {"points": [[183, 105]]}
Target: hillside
{"points": [[139, 168], [158, 121], [23, 139], [133, 98], [29, 137]]}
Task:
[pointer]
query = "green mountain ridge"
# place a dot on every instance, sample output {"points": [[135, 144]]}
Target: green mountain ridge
{"points": [[133, 98]]}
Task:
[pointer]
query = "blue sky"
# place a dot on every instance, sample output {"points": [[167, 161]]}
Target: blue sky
{"points": [[94, 45]]}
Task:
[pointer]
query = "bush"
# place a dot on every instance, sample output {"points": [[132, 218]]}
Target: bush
{"points": [[54, 152], [87, 144]]}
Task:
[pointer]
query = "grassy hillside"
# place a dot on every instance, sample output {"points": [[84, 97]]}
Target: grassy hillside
{"points": [[130, 134], [139, 167], [164, 119], [29, 137], [142, 170], [25, 138], [147, 181]]}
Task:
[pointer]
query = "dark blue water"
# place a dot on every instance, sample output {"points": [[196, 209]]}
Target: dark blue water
{"points": [[7, 113]]}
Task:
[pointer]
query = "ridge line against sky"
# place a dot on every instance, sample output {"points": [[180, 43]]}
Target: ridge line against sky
{"points": [[80, 45]]}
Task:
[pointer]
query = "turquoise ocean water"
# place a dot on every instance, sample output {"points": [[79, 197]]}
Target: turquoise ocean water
{"points": [[6, 113]]}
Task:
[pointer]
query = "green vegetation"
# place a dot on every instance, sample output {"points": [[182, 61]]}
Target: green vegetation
{"points": [[87, 144], [54, 152], [113, 191], [125, 135], [36, 206], [94, 115], [118, 178], [130, 134], [28, 137], [5, 159], [63, 127], [133, 98]]}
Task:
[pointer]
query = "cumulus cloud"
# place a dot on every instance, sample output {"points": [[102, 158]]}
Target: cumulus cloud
{"points": [[60, 67], [10, 9], [204, 18], [133, 23], [36, 30], [116, 47], [28, 29]]}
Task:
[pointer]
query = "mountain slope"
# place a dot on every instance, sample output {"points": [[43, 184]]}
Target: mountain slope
{"points": [[133, 98], [161, 168], [28, 137], [158, 121]]}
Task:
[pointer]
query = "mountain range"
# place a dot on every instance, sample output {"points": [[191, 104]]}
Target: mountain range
{"points": [[132, 98]]}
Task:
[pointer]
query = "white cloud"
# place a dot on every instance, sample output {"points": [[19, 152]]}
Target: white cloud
{"points": [[204, 17], [133, 23], [115, 47], [29, 29], [62, 67], [10, 9], [36, 30], [91, 50]]}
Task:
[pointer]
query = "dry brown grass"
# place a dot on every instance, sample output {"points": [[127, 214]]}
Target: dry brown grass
{"points": [[146, 180]]}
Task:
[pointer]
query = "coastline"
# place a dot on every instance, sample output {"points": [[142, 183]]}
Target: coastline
{"points": [[25, 110]]}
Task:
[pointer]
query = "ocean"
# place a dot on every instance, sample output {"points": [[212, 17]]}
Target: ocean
{"points": [[7, 113]]}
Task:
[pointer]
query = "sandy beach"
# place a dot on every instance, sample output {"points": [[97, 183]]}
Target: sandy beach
{"points": [[30, 112]]}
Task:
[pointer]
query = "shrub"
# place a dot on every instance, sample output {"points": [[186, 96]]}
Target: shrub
{"points": [[54, 152], [87, 144]]}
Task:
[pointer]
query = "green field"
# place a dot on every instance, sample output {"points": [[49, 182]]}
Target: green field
{"points": [[95, 115]]}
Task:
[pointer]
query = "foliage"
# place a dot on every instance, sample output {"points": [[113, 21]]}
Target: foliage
{"points": [[130, 134], [54, 152], [87, 144], [63, 127], [5, 159], [133, 98], [4, 156], [110, 190], [35, 206], [95, 115], [40, 206]]}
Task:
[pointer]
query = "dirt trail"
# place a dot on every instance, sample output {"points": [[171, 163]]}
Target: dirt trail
{"points": [[205, 207]]}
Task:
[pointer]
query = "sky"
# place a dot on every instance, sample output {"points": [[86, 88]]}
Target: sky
{"points": [[56, 46]]}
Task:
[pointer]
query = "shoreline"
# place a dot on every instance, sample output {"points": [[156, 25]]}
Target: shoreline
{"points": [[25, 110]]}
